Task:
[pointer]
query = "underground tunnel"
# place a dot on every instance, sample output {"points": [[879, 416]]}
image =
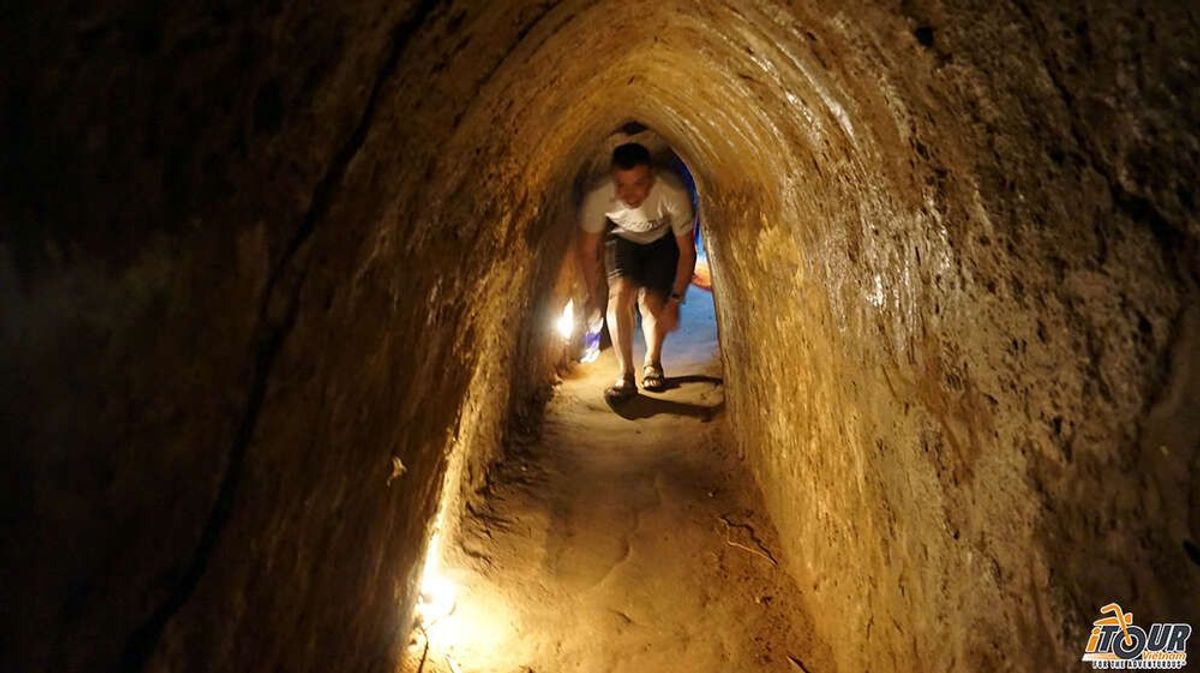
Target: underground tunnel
{"points": [[278, 286]]}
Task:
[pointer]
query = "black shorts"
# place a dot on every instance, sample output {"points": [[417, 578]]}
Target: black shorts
{"points": [[649, 265]]}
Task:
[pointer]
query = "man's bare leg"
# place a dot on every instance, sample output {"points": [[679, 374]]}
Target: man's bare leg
{"points": [[622, 295], [651, 304]]}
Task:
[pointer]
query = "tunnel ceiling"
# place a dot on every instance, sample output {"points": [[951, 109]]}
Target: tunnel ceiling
{"points": [[257, 255]]}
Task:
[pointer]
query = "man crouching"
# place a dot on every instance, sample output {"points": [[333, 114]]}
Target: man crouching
{"points": [[645, 218]]}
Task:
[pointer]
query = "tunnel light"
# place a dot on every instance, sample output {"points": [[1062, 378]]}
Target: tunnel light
{"points": [[566, 322], [468, 625], [437, 597]]}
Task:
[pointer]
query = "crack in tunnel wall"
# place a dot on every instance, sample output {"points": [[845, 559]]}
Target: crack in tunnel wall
{"points": [[954, 246], [146, 638]]}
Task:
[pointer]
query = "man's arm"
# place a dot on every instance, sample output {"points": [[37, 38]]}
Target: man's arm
{"points": [[687, 261], [681, 208], [683, 276], [589, 258]]}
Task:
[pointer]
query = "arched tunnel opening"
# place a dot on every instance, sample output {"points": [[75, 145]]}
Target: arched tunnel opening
{"points": [[278, 286]]}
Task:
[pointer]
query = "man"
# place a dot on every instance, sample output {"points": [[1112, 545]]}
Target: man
{"points": [[649, 257]]}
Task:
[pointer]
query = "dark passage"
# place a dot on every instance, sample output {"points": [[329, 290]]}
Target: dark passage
{"points": [[277, 294]]}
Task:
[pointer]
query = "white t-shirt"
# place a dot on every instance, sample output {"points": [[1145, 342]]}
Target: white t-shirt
{"points": [[667, 205]]}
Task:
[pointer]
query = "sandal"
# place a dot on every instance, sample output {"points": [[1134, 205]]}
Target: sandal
{"points": [[652, 377], [624, 388]]}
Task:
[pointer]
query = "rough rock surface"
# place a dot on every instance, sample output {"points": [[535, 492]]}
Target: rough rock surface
{"points": [[622, 542], [252, 255]]}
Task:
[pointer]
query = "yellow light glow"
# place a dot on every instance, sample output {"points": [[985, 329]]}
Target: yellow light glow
{"points": [[481, 631], [437, 598], [566, 322], [438, 592], [466, 624]]}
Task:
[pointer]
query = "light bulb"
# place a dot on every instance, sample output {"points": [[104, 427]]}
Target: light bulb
{"points": [[566, 322]]}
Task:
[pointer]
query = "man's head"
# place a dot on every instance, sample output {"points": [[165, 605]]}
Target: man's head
{"points": [[631, 173]]}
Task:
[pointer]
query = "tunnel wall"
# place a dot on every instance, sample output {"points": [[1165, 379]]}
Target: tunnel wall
{"points": [[959, 335], [248, 279], [266, 273]]}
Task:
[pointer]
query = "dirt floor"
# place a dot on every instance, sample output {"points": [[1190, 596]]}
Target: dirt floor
{"points": [[625, 540]]}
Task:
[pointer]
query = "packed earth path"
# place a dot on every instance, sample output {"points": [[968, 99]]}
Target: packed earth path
{"points": [[626, 540]]}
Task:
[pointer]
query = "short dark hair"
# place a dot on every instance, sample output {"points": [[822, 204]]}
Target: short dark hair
{"points": [[629, 155]]}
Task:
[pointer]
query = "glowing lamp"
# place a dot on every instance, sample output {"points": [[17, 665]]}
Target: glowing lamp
{"points": [[436, 599], [566, 322]]}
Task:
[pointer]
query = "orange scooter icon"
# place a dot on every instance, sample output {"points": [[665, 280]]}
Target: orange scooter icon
{"points": [[1119, 618]]}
